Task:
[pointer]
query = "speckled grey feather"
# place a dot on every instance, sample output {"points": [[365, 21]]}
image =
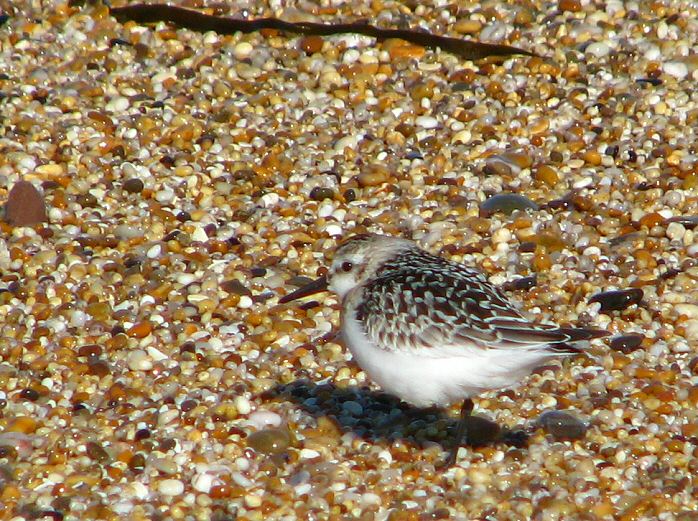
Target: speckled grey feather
{"points": [[419, 300]]}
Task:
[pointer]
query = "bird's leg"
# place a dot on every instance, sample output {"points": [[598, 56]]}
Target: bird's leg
{"points": [[461, 432]]}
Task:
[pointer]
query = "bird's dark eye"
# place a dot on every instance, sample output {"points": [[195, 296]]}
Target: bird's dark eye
{"points": [[347, 266]]}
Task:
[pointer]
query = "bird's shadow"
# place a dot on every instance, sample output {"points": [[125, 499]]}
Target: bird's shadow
{"points": [[378, 416]]}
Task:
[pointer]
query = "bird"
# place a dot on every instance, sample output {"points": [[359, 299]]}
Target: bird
{"points": [[432, 331]]}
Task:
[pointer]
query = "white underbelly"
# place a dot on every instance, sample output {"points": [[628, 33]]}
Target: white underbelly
{"points": [[439, 376]]}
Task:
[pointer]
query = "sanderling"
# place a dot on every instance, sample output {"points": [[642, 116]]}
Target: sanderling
{"points": [[432, 331]]}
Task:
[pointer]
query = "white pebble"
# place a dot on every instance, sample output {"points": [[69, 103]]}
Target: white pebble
{"points": [[426, 122], [598, 49], [333, 230], [78, 318], [253, 500], [127, 231], [154, 252], [242, 405], [269, 200], [346, 142], [242, 464], [583, 182], [156, 354], [501, 235], [199, 235], [386, 456], [242, 50], [678, 70], [309, 454], [164, 196], [241, 480], [138, 360], [27, 162], [325, 210], [203, 482], [263, 419], [185, 278], [689, 310], [350, 56], [195, 298], [171, 487], [167, 417], [370, 498], [118, 104], [662, 30], [245, 302], [464, 136], [303, 488], [675, 231], [137, 490], [122, 508], [691, 329], [653, 54]]}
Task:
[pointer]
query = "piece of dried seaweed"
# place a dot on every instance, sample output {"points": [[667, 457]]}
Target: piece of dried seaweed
{"points": [[197, 21]]}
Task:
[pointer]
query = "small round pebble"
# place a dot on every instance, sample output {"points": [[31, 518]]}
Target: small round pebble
{"points": [[506, 204], [25, 205], [139, 360], [133, 186], [617, 300], [627, 343], [171, 487], [270, 441], [562, 425]]}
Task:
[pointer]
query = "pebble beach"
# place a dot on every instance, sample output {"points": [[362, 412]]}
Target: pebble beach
{"points": [[162, 188]]}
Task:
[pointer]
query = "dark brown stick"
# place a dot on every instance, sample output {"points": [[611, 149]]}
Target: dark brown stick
{"points": [[194, 20]]}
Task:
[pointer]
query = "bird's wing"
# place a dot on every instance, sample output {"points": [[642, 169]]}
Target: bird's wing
{"points": [[450, 305]]}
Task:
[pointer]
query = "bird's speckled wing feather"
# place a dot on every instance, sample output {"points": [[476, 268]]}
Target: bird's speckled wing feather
{"points": [[418, 300]]}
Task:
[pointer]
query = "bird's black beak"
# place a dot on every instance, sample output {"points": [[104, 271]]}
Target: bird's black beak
{"points": [[311, 288]]}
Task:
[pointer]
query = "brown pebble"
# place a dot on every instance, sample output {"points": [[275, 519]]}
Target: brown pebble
{"points": [[524, 16], [7, 452], [688, 221], [400, 49], [523, 283], [133, 186], [235, 287], [373, 176], [627, 343], [270, 441], [481, 431], [23, 424], [311, 44], [467, 26], [96, 452], [693, 365], [573, 6], [29, 394], [497, 167], [520, 159], [140, 330], [546, 174], [97, 367], [506, 204], [562, 425], [617, 300], [319, 193], [25, 205], [86, 200], [137, 463]]}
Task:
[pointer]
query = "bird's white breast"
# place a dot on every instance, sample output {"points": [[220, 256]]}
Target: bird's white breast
{"points": [[439, 375]]}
